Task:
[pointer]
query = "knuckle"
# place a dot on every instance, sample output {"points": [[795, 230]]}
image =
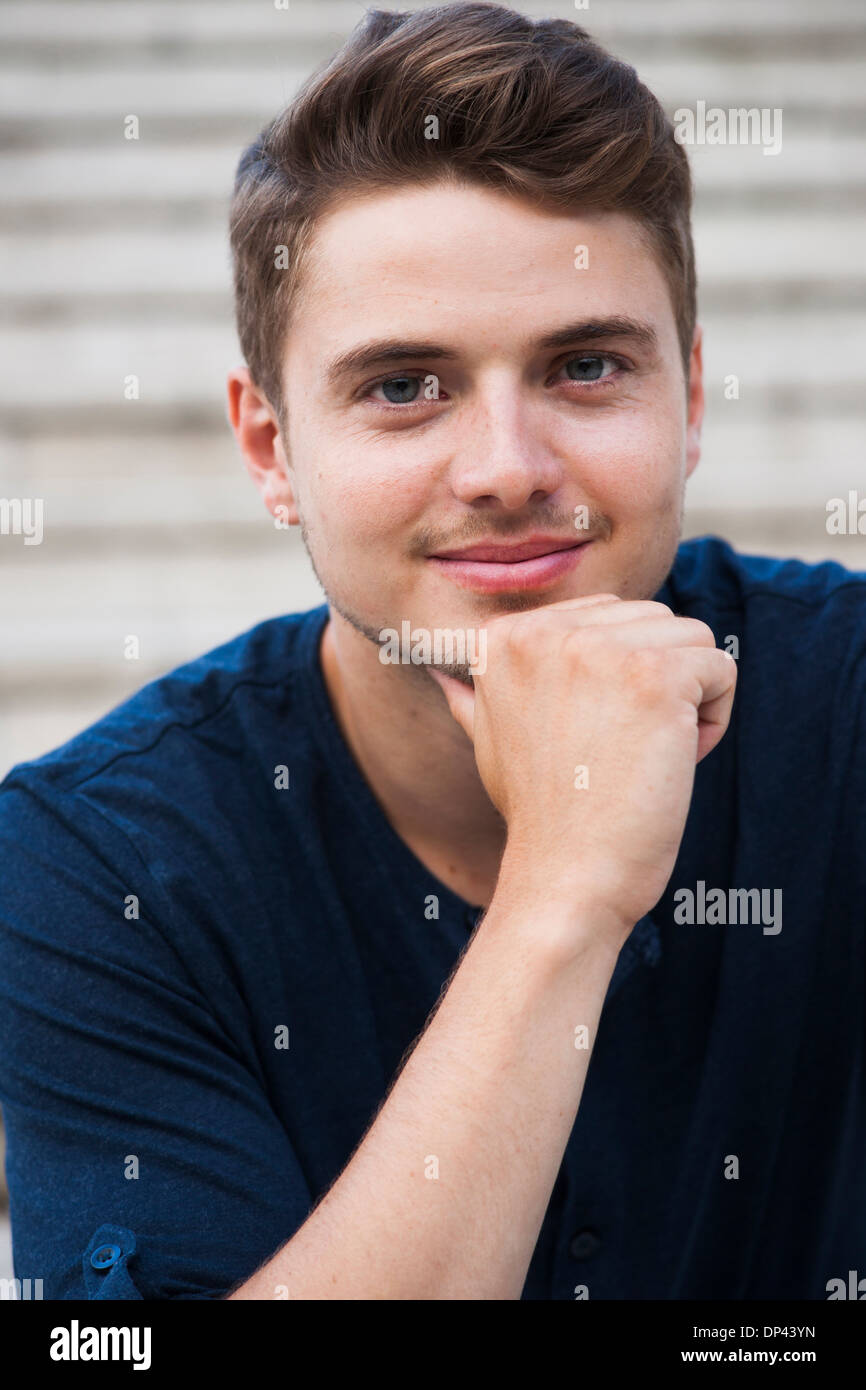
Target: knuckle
{"points": [[517, 630], [576, 641], [646, 671], [585, 640], [703, 634], [651, 608]]}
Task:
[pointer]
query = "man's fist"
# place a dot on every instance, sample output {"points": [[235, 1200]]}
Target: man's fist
{"points": [[587, 724]]}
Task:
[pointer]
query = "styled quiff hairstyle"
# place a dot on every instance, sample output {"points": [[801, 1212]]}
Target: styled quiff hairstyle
{"points": [[535, 108]]}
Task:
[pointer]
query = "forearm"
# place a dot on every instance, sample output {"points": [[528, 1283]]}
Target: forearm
{"points": [[446, 1193]]}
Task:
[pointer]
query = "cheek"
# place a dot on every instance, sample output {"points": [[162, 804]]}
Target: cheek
{"points": [[631, 463], [363, 491]]}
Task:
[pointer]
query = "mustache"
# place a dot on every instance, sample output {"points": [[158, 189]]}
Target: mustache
{"points": [[503, 526]]}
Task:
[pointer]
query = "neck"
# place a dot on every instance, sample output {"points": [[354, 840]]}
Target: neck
{"points": [[416, 759]]}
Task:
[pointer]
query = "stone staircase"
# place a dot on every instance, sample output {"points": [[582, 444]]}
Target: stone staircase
{"points": [[115, 261]]}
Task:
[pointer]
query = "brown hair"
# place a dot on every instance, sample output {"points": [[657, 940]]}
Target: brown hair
{"points": [[534, 108]]}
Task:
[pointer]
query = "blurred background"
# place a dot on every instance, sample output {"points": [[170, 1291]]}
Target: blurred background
{"points": [[115, 263]]}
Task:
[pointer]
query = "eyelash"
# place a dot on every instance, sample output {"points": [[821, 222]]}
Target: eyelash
{"points": [[409, 406]]}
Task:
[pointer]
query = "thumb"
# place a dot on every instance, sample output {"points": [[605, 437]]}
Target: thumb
{"points": [[461, 700]]}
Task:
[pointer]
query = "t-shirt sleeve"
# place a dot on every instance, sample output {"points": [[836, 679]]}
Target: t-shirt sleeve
{"points": [[144, 1160]]}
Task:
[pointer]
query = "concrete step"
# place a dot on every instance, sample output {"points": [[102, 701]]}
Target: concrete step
{"points": [[71, 100], [82, 367], [140, 486], [153, 180], [205, 26], [6, 1271], [63, 639], [68, 624], [53, 266]]}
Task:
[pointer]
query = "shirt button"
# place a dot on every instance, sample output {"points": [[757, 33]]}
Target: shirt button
{"points": [[584, 1245], [105, 1256]]}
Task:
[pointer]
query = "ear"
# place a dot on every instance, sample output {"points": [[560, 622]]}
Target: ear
{"points": [[258, 434], [695, 417]]}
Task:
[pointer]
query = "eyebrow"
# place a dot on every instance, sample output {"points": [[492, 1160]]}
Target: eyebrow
{"points": [[387, 350]]}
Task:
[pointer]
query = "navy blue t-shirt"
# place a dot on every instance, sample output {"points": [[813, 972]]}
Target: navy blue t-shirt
{"points": [[215, 952]]}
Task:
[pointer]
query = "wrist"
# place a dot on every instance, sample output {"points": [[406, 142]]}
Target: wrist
{"points": [[568, 911]]}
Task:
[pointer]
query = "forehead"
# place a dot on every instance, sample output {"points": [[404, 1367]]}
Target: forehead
{"points": [[448, 256]]}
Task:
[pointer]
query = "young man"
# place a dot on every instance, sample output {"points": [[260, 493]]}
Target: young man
{"points": [[528, 967]]}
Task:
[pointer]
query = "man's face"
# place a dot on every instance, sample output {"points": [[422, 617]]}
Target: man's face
{"points": [[486, 435]]}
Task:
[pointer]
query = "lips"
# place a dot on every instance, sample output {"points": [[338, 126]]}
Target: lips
{"points": [[509, 554], [536, 565]]}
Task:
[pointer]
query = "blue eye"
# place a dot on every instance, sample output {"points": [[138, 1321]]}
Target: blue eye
{"points": [[588, 367], [401, 390]]}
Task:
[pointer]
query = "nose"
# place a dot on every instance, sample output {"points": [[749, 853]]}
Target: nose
{"points": [[504, 454]]}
